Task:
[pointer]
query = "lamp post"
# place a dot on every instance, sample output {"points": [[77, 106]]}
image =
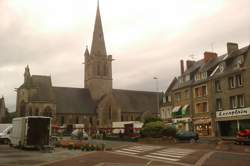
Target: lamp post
{"points": [[157, 95]]}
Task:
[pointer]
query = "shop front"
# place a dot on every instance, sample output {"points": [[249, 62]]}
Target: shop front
{"points": [[203, 126], [230, 122], [182, 124]]}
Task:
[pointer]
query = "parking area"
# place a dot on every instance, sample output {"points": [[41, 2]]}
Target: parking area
{"points": [[12, 156]]}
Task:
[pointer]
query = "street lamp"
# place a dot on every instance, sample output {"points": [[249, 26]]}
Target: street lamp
{"points": [[157, 95]]}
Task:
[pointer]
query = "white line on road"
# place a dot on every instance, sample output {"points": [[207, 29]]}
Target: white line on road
{"points": [[162, 158]]}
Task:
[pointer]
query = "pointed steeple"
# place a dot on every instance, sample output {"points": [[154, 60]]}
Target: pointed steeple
{"points": [[86, 52], [98, 43]]}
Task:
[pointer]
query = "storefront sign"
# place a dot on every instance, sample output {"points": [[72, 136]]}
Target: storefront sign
{"points": [[235, 112], [202, 121], [178, 120]]}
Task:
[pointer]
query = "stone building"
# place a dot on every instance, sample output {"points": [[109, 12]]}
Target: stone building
{"points": [[215, 90], [95, 105], [3, 109], [231, 88]]}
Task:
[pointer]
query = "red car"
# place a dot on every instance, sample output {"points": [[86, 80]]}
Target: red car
{"points": [[243, 137]]}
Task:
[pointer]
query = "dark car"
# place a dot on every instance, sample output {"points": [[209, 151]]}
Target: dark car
{"points": [[187, 136], [243, 137]]}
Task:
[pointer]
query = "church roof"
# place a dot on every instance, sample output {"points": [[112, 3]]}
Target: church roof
{"points": [[73, 100], [136, 101], [98, 43]]}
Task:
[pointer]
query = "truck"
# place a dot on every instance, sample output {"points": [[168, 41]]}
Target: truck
{"points": [[5, 130], [126, 127], [31, 132]]}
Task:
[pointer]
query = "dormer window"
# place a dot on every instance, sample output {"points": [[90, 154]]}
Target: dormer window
{"points": [[221, 67], [239, 61]]}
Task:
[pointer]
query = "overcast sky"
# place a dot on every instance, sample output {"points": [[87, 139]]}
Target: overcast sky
{"points": [[146, 38]]}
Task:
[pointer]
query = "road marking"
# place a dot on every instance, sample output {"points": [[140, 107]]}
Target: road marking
{"points": [[137, 149], [120, 151], [202, 160], [171, 154], [162, 158]]}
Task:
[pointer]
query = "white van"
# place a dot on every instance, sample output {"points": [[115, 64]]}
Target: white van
{"points": [[31, 131], [5, 134]]}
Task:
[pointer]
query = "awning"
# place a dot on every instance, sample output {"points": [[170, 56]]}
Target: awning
{"points": [[176, 108], [184, 108]]}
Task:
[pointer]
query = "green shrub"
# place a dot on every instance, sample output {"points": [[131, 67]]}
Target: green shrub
{"points": [[153, 129], [152, 119], [169, 131]]}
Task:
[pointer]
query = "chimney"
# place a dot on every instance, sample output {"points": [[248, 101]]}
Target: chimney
{"points": [[189, 63], [209, 56], [231, 47], [182, 67]]}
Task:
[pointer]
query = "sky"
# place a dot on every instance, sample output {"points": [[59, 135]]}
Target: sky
{"points": [[146, 38]]}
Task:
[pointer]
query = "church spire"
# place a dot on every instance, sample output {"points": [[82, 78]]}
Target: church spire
{"points": [[98, 43]]}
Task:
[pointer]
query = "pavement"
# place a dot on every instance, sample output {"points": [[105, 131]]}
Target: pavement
{"points": [[133, 154]]}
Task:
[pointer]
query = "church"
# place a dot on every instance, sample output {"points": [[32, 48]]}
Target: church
{"points": [[97, 104]]}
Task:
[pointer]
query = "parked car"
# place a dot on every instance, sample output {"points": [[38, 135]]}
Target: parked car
{"points": [[76, 134], [5, 134], [187, 136], [243, 137]]}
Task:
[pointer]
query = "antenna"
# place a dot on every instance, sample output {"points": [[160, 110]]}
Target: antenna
{"points": [[212, 46]]}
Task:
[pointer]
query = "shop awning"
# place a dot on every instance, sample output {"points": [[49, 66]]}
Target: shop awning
{"points": [[176, 108], [184, 109]]}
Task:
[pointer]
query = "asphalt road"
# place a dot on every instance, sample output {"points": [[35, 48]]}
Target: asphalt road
{"points": [[129, 154]]}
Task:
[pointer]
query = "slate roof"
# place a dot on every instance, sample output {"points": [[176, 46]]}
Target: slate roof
{"points": [[73, 100], [136, 101]]}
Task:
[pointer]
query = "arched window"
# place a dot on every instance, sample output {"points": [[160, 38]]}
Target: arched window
{"points": [[90, 120], [62, 120], [77, 119], [110, 112], [36, 112], [104, 69], [98, 69], [47, 112], [22, 108], [30, 111]]}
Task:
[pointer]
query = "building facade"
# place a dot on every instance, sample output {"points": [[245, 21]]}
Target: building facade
{"points": [[97, 104], [218, 93], [231, 86], [3, 109]]}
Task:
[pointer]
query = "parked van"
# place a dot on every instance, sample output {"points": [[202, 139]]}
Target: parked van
{"points": [[31, 131], [5, 133]]}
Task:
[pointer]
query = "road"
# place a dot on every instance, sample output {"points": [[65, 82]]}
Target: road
{"points": [[128, 154]]}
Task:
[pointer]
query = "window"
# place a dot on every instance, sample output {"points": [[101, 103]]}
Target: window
{"points": [[62, 120], [241, 101], [169, 98], [186, 94], [201, 91], [239, 80], [178, 96], [231, 82], [91, 120], [221, 67], [233, 101], [98, 69], [110, 113], [201, 107], [77, 119], [36, 112], [104, 70], [217, 86], [218, 104]]}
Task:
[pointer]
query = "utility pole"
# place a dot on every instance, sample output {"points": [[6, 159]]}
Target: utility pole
{"points": [[157, 95]]}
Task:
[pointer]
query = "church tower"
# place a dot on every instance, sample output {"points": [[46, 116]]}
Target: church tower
{"points": [[98, 65]]}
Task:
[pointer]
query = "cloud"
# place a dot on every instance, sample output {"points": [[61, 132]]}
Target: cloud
{"points": [[147, 41]]}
